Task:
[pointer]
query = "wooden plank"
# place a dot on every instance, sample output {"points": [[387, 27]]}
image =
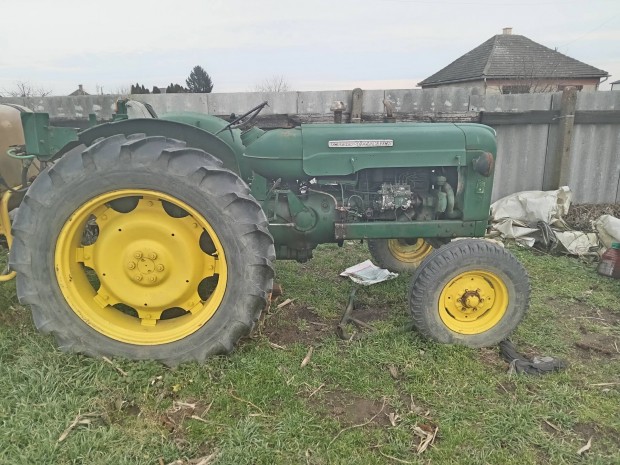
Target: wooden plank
{"points": [[497, 118], [597, 117]]}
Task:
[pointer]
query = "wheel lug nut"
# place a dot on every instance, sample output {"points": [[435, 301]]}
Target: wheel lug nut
{"points": [[138, 277], [138, 254], [160, 267], [152, 255], [153, 279], [131, 265]]}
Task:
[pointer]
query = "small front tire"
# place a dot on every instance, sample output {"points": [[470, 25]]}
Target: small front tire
{"points": [[470, 292]]}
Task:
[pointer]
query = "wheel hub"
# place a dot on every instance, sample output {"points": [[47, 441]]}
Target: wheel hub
{"points": [[473, 302], [146, 267], [471, 299]]}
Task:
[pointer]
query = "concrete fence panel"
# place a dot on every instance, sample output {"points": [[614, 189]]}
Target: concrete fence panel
{"points": [[528, 126]]}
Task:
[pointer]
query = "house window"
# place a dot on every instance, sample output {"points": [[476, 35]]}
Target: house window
{"points": [[516, 89], [561, 87]]}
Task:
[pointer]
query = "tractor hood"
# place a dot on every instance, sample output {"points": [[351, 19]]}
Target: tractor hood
{"points": [[479, 137], [342, 149]]}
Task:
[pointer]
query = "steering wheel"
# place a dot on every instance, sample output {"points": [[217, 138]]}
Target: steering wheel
{"points": [[252, 114]]}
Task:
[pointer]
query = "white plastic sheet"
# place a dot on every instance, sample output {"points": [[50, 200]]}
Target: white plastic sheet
{"points": [[608, 228], [366, 273], [533, 206]]}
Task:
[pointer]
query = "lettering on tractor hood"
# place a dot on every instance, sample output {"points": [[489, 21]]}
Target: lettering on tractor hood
{"points": [[361, 143]]}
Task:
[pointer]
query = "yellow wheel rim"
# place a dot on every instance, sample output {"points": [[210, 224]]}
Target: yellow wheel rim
{"points": [[473, 302], [138, 280], [409, 252]]}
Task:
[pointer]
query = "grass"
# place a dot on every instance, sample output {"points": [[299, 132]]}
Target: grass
{"points": [[258, 406]]}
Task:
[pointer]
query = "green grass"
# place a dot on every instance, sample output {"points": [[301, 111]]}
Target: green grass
{"points": [[258, 406]]}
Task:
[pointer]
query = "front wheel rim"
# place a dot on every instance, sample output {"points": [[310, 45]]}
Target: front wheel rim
{"points": [[473, 302], [155, 273], [406, 252]]}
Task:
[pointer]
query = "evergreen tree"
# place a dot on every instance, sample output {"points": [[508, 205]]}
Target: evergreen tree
{"points": [[175, 89], [199, 81], [139, 89]]}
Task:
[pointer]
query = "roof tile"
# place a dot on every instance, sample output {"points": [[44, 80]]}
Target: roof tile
{"points": [[512, 56]]}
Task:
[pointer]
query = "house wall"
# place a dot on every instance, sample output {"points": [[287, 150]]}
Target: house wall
{"points": [[471, 87], [494, 86]]}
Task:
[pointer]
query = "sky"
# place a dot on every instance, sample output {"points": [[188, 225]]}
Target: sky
{"points": [[314, 45]]}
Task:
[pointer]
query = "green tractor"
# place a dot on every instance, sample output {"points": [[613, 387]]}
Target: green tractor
{"points": [[154, 238]]}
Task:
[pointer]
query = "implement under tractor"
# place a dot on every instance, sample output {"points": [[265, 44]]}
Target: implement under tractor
{"points": [[155, 237]]}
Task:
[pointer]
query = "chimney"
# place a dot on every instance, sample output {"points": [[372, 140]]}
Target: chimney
{"points": [[82, 88], [507, 31]]}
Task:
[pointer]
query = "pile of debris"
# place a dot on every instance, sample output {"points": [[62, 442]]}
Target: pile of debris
{"points": [[580, 217], [546, 220]]}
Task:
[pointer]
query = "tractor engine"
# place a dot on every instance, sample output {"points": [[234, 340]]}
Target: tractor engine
{"points": [[308, 211], [397, 194]]}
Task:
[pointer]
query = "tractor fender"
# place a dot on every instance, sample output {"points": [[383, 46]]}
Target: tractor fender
{"points": [[194, 137]]}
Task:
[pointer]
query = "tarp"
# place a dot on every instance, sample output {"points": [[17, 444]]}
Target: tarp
{"points": [[533, 206], [536, 216]]}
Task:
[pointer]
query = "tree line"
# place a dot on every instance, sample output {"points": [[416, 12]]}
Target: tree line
{"points": [[198, 81]]}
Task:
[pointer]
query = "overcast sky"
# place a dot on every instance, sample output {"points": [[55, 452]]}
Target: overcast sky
{"points": [[314, 44]]}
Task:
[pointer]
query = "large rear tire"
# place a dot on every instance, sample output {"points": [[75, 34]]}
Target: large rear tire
{"points": [[142, 248], [471, 292]]}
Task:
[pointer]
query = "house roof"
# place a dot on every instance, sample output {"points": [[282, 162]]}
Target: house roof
{"points": [[512, 56], [80, 91]]}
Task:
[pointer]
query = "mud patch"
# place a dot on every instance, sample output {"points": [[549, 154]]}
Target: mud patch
{"points": [[350, 409], [592, 345], [300, 324], [551, 428], [15, 316], [174, 419], [585, 430], [295, 324], [506, 388], [492, 358], [603, 439], [370, 314]]}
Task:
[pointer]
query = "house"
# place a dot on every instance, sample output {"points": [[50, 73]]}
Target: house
{"points": [[79, 91], [514, 64]]}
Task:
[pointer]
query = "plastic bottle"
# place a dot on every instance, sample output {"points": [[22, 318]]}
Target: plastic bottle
{"points": [[610, 262]]}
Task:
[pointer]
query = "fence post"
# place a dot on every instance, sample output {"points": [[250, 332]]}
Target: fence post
{"points": [[565, 137], [357, 101]]}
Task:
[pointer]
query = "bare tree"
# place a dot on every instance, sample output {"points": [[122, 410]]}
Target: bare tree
{"points": [[276, 83], [26, 89], [532, 77]]}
